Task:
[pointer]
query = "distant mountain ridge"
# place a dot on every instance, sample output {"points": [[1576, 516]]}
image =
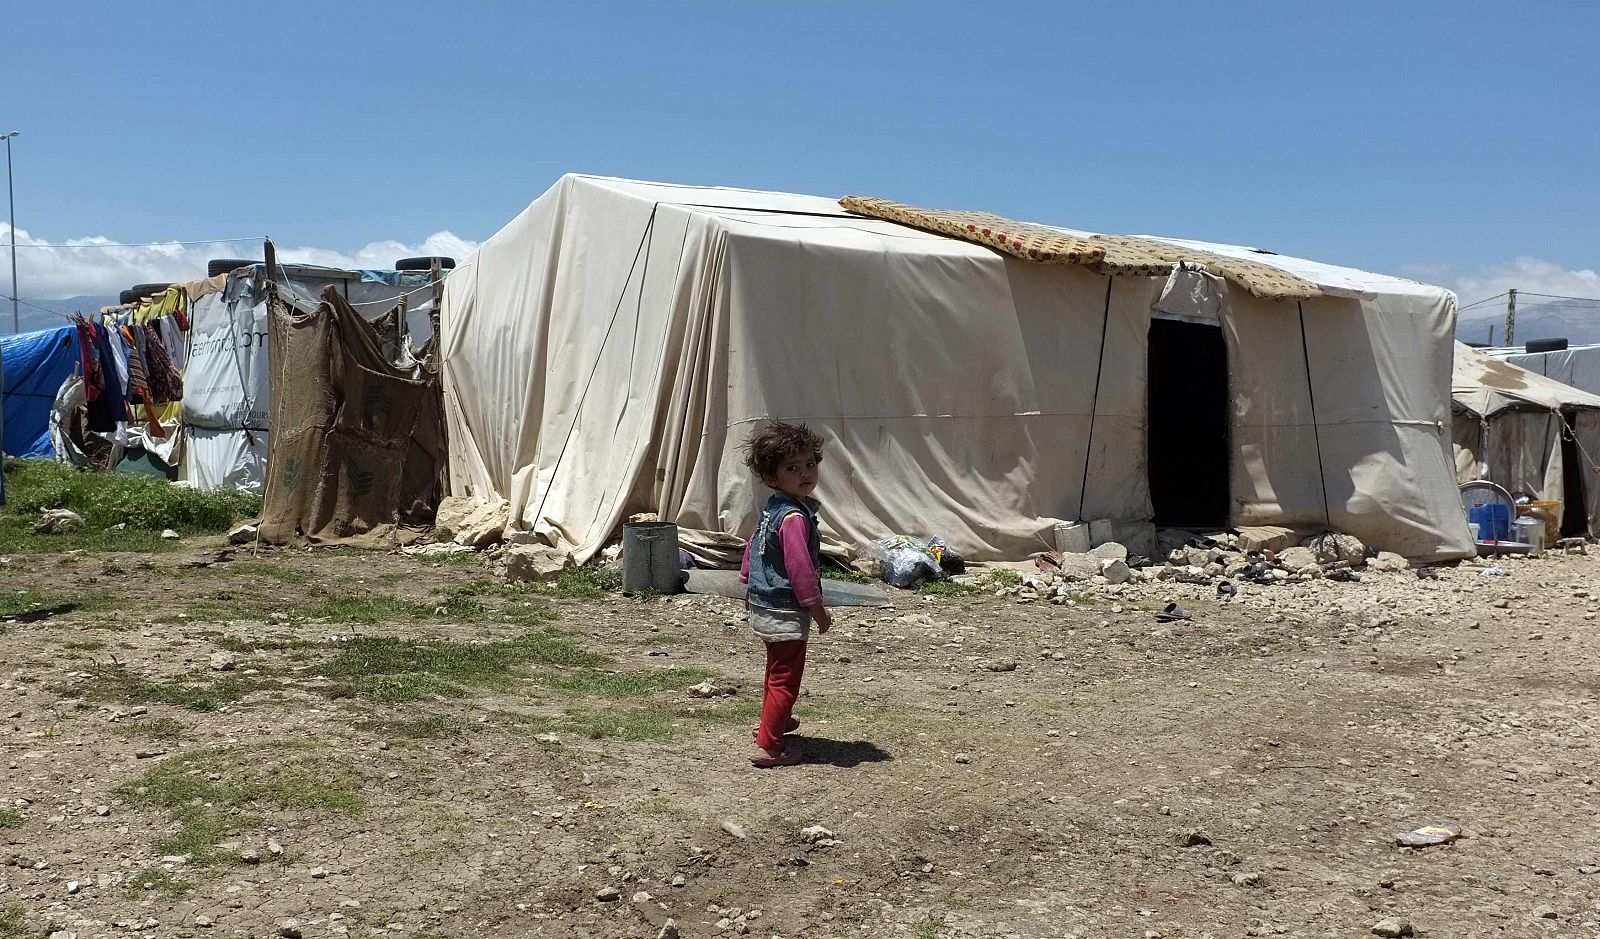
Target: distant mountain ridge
{"points": [[31, 319], [1578, 324]]}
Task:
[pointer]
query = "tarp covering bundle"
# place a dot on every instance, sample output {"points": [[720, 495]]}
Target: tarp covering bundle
{"points": [[36, 365], [610, 350], [1124, 255], [1520, 429], [357, 447]]}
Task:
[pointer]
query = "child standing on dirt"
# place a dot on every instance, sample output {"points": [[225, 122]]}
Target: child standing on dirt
{"points": [[784, 592]]}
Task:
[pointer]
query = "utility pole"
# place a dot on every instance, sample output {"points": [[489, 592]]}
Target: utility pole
{"points": [[1511, 316], [11, 197]]}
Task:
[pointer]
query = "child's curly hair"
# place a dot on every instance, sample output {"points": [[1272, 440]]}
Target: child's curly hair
{"points": [[767, 447]]}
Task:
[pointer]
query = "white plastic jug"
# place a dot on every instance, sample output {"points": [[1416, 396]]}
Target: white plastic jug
{"points": [[1531, 531]]}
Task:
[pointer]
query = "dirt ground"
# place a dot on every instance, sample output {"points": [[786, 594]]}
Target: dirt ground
{"points": [[334, 743]]}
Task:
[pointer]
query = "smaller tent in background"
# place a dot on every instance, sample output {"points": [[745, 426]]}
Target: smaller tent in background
{"points": [[35, 366], [1531, 434]]}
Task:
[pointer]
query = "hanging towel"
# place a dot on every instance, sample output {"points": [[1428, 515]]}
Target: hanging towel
{"points": [[165, 382]]}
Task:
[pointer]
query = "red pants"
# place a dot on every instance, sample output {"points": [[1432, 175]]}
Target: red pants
{"points": [[786, 662]]}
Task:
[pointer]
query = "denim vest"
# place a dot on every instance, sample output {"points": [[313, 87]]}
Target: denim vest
{"points": [[769, 577]]}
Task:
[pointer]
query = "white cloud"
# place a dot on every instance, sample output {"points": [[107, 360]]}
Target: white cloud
{"points": [[1539, 315], [1528, 275], [97, 266]]}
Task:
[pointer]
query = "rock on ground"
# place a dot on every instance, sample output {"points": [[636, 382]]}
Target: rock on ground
{"points": [[535, 562], [1332, 547]]}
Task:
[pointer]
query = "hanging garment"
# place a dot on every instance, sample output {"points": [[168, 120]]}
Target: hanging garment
{"points": [[173, 338], [138, 382], [110, 406], [94, 378], [118, 370], [165, 382], [180, 314]]}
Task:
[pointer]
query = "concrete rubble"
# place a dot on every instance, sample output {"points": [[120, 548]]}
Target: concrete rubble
{"points": [[1260, 556]]}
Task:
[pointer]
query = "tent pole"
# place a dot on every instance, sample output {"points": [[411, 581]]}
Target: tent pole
{"points": [[1316, 432], [1094, 403]]}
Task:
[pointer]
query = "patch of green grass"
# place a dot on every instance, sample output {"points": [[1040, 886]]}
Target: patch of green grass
{"points": [[17, 538], [666, 639], [160, 728], [107, 499], [506, 601], [476, 601], [604, 684], [590, 582], [1003, 577], [662, 806], [9, 819], [247, 646], [211, 795], [386, 668], [14, 923], [19, 602], [930, 926], [949, 588], [157, 881], [833, 570], [653, 723], [114, 682], [85, 645]]}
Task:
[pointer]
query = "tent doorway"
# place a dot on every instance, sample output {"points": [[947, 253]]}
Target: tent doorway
{"points": [[1188, 425], [1575, 513]]}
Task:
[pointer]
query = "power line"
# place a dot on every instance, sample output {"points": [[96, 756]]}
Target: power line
{"points": [[144, 244], [1556, 296], [42, 309], [1481, 302]]}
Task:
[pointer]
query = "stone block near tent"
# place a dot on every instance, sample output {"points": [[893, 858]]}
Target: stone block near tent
{"points": [[1332, 547], [536, 562], [475, 524], [1268, 538]]}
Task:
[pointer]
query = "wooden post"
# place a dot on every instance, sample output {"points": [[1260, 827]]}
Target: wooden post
{"points": [[1511, 316]]}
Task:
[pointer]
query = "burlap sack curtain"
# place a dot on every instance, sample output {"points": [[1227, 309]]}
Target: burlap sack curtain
{"points": [[358, 443]]}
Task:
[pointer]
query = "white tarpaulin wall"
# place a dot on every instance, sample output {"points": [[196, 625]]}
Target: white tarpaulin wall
{"points": [[609, 350], [1509, 426], [1578, 366]]}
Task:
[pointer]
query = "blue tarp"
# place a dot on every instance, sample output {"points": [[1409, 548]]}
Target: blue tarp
{"points": [[35, 366]]}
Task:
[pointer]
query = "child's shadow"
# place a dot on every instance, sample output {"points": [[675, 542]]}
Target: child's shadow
{"points": [[845, 753]]}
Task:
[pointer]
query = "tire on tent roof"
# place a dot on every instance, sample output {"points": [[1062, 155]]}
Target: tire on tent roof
{"points": [[217, 266], [423, 264], [126, 297], [140, 291]]}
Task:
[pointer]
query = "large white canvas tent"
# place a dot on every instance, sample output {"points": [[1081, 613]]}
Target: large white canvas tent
{"points": [[1531, 434], [610, 349]]}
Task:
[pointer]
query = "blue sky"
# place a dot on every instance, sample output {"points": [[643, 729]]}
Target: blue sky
{"points": [[1442, 141]]}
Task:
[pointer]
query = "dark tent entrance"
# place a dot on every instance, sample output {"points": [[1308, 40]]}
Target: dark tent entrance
{"points": [[1188, 424], [1575, 514]]}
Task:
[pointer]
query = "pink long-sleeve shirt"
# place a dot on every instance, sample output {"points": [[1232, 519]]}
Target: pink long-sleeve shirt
{"points": [[803, 578]]}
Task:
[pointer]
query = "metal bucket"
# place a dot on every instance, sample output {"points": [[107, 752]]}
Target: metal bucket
{"points": [[650, 558]]}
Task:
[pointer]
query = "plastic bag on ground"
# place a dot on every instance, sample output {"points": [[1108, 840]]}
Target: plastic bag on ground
{"points": [[903, 561]]}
